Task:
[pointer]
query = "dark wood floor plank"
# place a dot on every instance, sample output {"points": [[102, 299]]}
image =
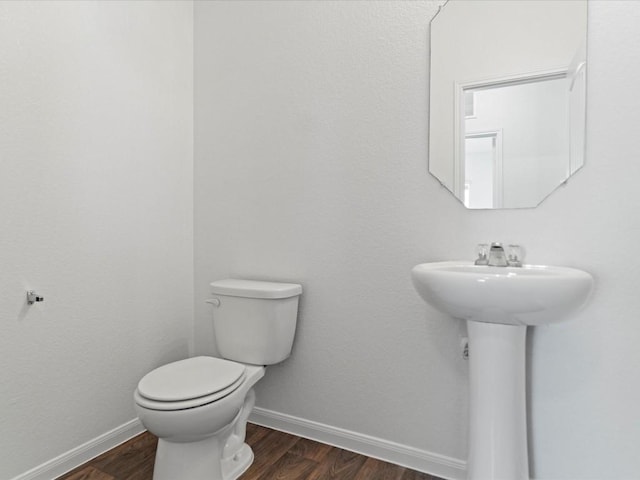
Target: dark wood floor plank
{"points": [[374, 469], [289, 467], [268, 451], [130, 460], [88, 473], [278, 456], [338, 464], [310, 449], [413, 475], [255, 433]]}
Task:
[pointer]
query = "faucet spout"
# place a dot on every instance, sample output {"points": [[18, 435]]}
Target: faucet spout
{"points": [[497, 257]]}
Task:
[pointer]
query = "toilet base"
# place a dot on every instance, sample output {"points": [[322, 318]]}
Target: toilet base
{"points": [[199, 460], [235, 466], [221, 456]]}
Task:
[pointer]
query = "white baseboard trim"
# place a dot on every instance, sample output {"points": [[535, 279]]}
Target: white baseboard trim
{"points": [[83, 453], [410, 457]]}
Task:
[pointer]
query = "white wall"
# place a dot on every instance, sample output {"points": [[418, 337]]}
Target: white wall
{"points": [[311, 167], [311, 121], [311, 149], [96, 175]]}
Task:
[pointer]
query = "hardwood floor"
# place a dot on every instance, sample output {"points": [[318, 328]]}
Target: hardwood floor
{"points": [[278, 456]]}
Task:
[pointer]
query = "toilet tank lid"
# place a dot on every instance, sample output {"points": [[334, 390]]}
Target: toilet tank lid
{"points": [[236, 287]]}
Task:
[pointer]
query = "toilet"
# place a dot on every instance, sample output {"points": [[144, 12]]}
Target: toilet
{"points": [[198, 407]]}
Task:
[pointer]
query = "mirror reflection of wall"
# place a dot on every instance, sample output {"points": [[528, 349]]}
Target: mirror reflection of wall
{"points": [[516, 68]]}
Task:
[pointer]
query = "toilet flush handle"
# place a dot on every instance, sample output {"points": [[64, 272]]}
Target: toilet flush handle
{"points": [[213, 301]]}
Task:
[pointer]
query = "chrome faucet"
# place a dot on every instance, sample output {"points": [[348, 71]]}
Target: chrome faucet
{"points": [[495, 256]]}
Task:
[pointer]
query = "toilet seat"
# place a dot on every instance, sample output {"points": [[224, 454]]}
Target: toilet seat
{"points": [[189, 383]]}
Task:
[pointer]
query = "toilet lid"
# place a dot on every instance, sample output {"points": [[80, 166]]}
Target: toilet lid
{"points": [[190, 378]]}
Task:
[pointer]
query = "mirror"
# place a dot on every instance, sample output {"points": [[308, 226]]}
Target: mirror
{"points": [[507, 99]]}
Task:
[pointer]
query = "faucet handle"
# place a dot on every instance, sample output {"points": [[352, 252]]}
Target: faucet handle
{"points": [[482, 250], [514, 255]]}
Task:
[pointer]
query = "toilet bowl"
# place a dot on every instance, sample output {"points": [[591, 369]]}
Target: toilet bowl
{"points": [[198, 407], [198, 420]]}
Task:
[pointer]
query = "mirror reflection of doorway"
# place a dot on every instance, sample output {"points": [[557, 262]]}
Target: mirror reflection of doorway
{"points": [[483, 170], [532, 110]]}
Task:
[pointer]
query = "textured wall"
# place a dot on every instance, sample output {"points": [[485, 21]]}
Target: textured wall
{"points": [[311, 140], [311, 121], [96, 190]]}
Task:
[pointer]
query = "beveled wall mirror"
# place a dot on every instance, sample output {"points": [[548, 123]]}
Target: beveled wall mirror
{"points": [[507, 99]]}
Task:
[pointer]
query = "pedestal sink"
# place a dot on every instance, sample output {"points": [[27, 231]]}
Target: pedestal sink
{"points": [[498, 304]]}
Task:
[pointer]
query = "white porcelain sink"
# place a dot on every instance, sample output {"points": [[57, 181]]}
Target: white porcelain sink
{"points": [[499, 303], [528, 295]]}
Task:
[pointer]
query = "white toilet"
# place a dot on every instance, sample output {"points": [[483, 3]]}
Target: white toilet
{"points": [[198, 407]]}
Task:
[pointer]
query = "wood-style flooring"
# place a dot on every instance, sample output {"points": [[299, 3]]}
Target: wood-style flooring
{"points": [[278, 456]]}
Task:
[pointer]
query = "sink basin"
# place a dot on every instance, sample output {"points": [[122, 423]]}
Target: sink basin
{"points": [[527, 295]]}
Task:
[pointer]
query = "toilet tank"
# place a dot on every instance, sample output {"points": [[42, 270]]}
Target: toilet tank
{"points": [[255, 321]]}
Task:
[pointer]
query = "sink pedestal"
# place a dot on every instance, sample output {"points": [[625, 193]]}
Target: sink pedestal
{"points": [[498, 304], [498, 414]]}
